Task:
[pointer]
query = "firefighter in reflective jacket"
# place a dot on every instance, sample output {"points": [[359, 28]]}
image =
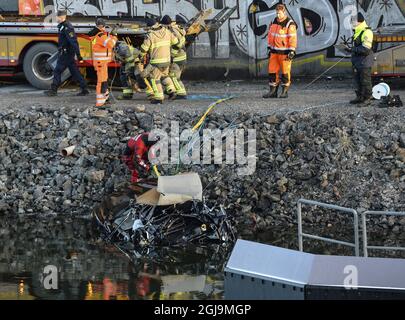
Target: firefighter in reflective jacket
{"points": [[136, 156], [362, 60], [282, 45], [103, 44], [179, 56], [131, 69], [157, 45]]}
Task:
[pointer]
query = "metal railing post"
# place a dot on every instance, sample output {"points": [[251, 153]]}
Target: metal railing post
{"points": [[356, 233], [300, 237], [365, 245]]}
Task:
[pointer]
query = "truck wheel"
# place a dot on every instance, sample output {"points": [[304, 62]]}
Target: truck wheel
{"points": [[35, 66]]}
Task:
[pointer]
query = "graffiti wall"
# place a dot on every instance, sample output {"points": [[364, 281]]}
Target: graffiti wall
{"points": [[242, 41]]}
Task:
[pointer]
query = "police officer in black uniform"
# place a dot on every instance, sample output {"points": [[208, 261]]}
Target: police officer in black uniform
{"points": [[68, 47]]}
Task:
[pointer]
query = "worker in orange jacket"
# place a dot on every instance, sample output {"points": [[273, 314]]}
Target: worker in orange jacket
{"points": [[282, 45], [103, 44]]}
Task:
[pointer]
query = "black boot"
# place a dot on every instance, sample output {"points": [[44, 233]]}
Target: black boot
{"points": [[284, 93], [273, 93], [83, 92], [154, 101], [366, 102], [172, 96], [358, 99]]}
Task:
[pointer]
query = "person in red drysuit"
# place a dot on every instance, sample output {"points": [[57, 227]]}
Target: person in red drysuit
{"points": [[136, 156]]}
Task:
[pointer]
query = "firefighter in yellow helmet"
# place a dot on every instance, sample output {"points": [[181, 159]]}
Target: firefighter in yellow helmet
{"points": [[179, 56], [158, 45]]}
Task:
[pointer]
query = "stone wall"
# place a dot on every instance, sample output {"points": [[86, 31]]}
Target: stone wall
{"points": [[346, 159]]}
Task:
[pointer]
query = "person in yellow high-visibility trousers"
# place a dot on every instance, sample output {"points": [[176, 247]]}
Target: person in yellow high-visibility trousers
{"points": [[179, 58], [158, 45]]}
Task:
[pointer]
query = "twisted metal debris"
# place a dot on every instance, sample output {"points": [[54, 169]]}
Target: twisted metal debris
{"points": [[142, 228]]}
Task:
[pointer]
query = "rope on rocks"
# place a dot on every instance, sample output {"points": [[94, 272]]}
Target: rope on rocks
{"points": [[198, 127], [112, 81], [323, 73]]}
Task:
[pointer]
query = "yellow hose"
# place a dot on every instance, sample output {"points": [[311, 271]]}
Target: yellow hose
{"points": [[155, 169], [201, 121]]}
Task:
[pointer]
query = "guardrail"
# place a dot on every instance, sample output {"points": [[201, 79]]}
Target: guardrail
{"points": [[301, 235], [365, 243]]}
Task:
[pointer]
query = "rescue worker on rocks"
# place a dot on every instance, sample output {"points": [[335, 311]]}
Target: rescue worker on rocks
{"points": [[68, 48], [158, 45], [131, 69], [179, 56], [102, 44], [362, 61], [136, 156], [282, 45]]}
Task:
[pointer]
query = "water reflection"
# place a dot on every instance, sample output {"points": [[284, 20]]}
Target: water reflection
{"points": [[87, 269]]}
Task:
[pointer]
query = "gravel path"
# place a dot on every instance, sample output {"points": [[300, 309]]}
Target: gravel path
{"points": [[332, 96]]}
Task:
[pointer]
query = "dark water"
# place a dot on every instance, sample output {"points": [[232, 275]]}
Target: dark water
{"points": [[88, 268]]}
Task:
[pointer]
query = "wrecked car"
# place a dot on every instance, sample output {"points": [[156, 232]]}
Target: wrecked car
{"points": [[174, 213]]}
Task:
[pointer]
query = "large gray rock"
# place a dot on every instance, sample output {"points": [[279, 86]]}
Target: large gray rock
{"points": [[145, 121], [96, 176]]}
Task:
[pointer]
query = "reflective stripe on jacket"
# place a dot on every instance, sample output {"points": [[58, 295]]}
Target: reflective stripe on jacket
{"points": [[103, 43], [282, 36], [139, 151], [362, 52], [179, 55], [129, 62], [158, 44]]}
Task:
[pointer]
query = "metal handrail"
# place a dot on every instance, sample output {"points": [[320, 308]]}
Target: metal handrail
{"points": [[365, 243], [301, 235]]}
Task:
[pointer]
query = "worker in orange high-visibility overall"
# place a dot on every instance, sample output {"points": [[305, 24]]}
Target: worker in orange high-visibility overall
{"points": [[282, 46], [103, 44]]}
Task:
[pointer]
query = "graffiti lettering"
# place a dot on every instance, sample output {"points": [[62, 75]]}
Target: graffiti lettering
{"points": [[321, 23]]}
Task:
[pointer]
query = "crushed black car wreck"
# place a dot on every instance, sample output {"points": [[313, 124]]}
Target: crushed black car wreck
{"points": [[174, 213]]}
